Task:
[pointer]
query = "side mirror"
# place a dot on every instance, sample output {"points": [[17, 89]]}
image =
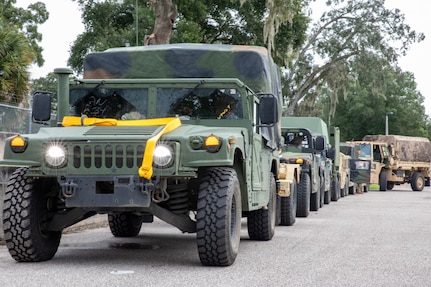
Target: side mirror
{"points": [[268, 109], [41, 110], [320, 143]]}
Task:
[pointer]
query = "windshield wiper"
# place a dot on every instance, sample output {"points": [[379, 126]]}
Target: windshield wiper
{"points": [[191, 91], [102, 82]]}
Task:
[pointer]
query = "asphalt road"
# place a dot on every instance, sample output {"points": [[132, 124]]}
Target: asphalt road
{"points": [[370, 239]]}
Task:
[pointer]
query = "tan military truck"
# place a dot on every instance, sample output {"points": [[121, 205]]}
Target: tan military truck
{"points": [[397, 159]]}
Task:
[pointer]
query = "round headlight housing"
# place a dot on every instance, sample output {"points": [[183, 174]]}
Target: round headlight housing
{"points": [[163, 156], [55, 155]]}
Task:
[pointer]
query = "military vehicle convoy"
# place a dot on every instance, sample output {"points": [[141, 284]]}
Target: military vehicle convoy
{"points": [[188, 133], [397, 159], [306, 142], [167, 131]]}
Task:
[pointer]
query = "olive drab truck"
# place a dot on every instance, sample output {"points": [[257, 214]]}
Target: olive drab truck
{"points": [[305, 143], [340, 170], [397, 159], [188, 133]]}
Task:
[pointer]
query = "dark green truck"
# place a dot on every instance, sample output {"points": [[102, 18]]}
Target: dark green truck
{"points": [[188, 133], [306, 142]]}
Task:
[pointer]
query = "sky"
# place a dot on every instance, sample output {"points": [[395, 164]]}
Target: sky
{"points": [[64, 24]]}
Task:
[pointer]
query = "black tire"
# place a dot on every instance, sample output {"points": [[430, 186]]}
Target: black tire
{"points": [[304, 191], [288, 206], [327, 195], [26, 215], [125, 224], [261, 223], [366, 188], [345, 190], [218, 218], [390, 185], [418, 181], [315, 200], [383, 181], [322, 193], [335, 189], [352, 189]]}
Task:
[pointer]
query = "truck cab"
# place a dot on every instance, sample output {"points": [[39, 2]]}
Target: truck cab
{"points": [[377, 153], [359, 167]]}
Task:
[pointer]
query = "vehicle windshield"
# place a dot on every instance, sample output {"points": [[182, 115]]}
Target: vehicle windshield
{"points": [[364, 150], [386, 152], [129, 104], [347, 150], [296, 139]]}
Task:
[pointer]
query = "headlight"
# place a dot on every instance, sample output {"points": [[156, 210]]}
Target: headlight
{"points": [[55, 155], [163, 156]]}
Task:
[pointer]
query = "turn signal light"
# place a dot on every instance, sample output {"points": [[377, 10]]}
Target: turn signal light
{"points": [[18, 144], [212, 143]]}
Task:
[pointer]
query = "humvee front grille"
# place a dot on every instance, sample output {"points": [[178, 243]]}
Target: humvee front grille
{"points": [[107, 156]]}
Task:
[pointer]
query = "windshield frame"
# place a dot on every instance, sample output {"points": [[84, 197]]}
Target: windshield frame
{"points": [[153, 88]]}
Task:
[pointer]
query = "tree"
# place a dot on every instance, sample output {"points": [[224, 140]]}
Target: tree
{"points": [[363, 112], [199, 21], [48, 84], [15, 57], [109, 24], [19, 47], [166, 14], [342, 35], [27, 21], [280, 25]]}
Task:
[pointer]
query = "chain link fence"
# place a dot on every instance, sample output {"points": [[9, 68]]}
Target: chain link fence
{"points": [[13, 120]]}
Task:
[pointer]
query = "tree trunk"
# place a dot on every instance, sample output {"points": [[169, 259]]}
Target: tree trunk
{"points": [[166, 13]]}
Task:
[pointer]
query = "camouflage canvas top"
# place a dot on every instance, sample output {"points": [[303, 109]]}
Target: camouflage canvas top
{"points": [[250, 64], [414, 149]]}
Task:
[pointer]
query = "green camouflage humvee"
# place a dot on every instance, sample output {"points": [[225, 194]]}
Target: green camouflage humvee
{"points": [[188, 133], [306, 141]]}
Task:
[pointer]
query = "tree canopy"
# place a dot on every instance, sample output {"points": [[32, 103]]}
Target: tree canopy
{"points": [[342, 67], [112, 24], [343, 34], [19, 47], [362, 112]]}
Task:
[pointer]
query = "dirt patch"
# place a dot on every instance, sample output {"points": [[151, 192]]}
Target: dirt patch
{"points": [[97, 221]]}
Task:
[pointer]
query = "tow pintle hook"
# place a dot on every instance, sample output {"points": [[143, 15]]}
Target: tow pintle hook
{"points": [[68, 188]]}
